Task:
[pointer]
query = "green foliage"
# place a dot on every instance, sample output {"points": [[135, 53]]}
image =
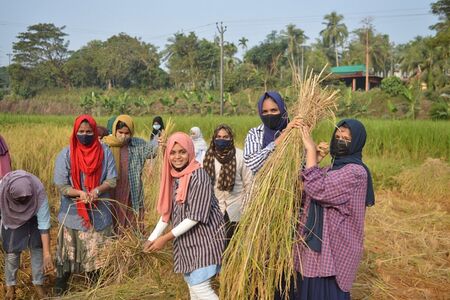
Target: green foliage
{"points": [[393, 86], [412, 95], [440, 111]]}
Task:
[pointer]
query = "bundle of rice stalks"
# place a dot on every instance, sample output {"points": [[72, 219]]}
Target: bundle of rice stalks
{"points": [[259, 259], [125, 265]]}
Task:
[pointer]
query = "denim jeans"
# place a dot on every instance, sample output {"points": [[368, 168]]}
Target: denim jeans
{"points": [[12, 263]]}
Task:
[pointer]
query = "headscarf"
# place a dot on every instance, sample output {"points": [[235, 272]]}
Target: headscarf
{"points": [[110, 123], [270, 134], [169, 173], [198, 140], [18, 184], [314, 223], [114, 143], [85, 159], [5, 158], [155, 132], [226, 157]]}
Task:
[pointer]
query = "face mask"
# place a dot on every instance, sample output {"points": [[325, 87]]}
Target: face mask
{"points": [[156, 126], [339, 147], [85, 139], [23, 200], [222, 144], [123, 138], [272, 121]]}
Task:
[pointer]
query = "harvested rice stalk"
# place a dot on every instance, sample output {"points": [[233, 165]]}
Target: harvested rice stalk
{"points": [[260, 256]]}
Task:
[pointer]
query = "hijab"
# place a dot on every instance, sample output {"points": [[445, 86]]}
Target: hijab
{"points": [[227, 159], [114, 143], [18, 184], [169, 173], [271, 134], [5, 158], [198, 140], [155, 132], [86, 159]]}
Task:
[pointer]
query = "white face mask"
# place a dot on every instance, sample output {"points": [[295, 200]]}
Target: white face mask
{"points": [[156, 126]]}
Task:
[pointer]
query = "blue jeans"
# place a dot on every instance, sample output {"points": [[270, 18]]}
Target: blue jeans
{"points": [[12, 262]]}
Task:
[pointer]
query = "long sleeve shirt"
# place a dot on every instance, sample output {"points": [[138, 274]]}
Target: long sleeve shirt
{"points": [[254, 154], [231, 202], [342, 195]]}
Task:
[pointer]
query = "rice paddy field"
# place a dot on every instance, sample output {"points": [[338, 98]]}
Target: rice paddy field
{"points": [[407, 244]]}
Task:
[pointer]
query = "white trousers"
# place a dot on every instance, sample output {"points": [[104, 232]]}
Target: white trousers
{"points": [[202, 291]]}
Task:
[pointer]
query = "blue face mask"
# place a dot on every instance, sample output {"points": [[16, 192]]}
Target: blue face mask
{"points": [[156, 126], [222, 144], [85, 139]]}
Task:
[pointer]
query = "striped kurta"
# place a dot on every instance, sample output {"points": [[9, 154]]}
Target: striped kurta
{"points": [[254, 154], [203, 244]]}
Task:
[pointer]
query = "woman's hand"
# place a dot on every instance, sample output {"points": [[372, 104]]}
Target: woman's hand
{"points": [[295, 123], [158, 244], [322, 150], [85, 197], [308, 142], [48, 263], [147, 245]]}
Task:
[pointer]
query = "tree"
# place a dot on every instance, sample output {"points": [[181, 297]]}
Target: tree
{"points": [[243, 43], [43, 46], [335, 33], [295, 38]]}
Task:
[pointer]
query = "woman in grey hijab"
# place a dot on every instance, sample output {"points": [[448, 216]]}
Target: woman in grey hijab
{"points": [[25, 223]]}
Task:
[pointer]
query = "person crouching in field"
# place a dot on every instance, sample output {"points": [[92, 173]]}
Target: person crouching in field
{"points": [[5, 158], [231, 178], [25, 223], [130, 154], [333, 215], [187, 200], [84, 173]]}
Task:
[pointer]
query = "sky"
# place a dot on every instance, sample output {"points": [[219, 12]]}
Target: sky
{"points": [[155, 21]]}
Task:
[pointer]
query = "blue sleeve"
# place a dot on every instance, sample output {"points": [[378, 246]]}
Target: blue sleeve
{"points": [[43, 217], [61, 174]]}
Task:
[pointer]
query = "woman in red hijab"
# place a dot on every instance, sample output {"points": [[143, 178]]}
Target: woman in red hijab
{"points": [[187, 200], [84, 173]]}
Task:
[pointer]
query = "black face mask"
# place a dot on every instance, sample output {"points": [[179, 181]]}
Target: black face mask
{"points": [[85, 139], [272, 121], [339, 147], [222, 144]]}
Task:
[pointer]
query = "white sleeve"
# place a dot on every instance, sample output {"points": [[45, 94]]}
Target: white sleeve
{"points": [[159, 229], [183, 227]]}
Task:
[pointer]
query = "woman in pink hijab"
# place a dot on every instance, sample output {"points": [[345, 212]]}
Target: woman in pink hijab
{"points": [[5, 159], [187, 200]]}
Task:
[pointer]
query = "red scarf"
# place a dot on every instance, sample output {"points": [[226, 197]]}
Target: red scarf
{"points": [[88, 160]]}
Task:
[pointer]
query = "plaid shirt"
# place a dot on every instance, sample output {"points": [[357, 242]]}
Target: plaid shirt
{"points": [[138, 152], [342, 194]]}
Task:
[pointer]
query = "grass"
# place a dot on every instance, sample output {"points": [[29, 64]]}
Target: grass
{"points": [[406, 247]]}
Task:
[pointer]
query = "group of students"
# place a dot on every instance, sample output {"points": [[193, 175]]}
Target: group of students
{"points": [[201, 196]]}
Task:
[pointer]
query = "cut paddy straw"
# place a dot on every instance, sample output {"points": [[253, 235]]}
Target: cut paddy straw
{"points": [[259, 259]]}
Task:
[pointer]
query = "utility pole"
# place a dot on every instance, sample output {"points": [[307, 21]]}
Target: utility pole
{"points": [[367, 21], [9, 58], [221, 30]]}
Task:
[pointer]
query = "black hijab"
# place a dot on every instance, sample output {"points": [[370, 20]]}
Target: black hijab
{"points": [[155, 132]]}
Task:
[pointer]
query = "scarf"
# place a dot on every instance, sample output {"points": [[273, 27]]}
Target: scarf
{"points": [[169, 173], [198, 140], [314, 223], [114, 143], [88, 160], [271, 134], [18, 184], [226, 157]]}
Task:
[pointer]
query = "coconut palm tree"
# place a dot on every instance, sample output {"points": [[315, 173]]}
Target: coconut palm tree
{"points": [[243, 43], [295, 38], [335, 32]]}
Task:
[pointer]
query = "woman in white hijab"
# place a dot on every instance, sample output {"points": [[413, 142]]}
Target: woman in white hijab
{"points": [[199, 144]]}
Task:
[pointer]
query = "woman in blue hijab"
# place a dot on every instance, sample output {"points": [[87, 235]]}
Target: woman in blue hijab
{"points": [[262, 140]]}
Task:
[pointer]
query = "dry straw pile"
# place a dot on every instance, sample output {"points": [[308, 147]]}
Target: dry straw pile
{"points": [[259, 256]]}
